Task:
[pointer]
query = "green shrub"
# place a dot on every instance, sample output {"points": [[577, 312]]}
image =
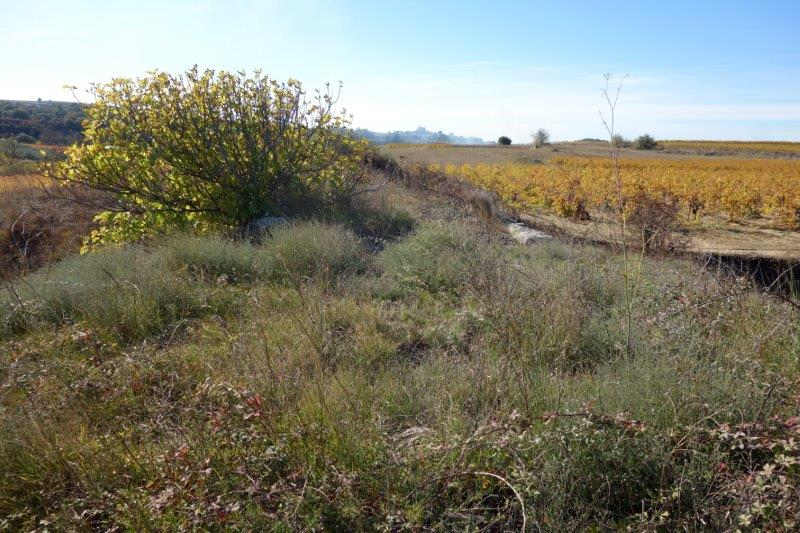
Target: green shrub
{"points": [[437, 258], [645, 142], [504, 141], [209, 150], [212, 256], [307, 249], [25, 138]]}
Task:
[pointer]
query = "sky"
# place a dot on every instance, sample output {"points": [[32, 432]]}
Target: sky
{"points": [[703, 69]]}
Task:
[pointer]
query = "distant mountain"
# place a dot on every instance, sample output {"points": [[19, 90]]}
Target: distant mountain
{"points": [[417, 136]]}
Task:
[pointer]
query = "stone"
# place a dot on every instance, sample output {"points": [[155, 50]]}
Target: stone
{"points": [[524, 234]]}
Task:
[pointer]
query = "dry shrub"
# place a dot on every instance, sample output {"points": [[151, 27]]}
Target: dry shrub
{"points": [[39, 224], [657, 219]]}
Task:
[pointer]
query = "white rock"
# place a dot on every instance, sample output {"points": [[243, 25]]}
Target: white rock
{"points": [[525, 235]]}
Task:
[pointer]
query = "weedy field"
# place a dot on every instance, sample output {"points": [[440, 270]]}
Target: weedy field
{"points": [[394, 370]]}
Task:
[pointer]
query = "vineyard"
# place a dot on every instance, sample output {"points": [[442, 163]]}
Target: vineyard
{"points": [[571, 186]]}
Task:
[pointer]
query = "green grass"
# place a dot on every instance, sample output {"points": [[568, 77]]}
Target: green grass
{"points": [[305, 383]]}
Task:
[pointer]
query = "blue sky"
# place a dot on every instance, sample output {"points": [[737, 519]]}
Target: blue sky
{"points": [[701, 69]]}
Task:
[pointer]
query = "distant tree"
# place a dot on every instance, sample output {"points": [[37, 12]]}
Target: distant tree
{"points": [[504, 141], [619, 141], [441, 137], [25, 138], [646, 142], [540, 138]]}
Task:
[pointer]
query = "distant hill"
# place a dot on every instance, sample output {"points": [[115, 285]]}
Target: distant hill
{"points": [[50, 122], [417, 136], [47, 122]]}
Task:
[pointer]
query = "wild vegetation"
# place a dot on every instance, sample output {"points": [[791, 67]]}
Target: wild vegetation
{"points": [[21, 158], [380, 360], [450, 380]]}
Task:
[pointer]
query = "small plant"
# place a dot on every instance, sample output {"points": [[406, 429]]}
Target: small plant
{"points": [[9, 148], [504, 141], [541, 138], [646, 142]]}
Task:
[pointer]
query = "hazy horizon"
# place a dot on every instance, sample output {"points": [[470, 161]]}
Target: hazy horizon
{"points": [[720, 70]]}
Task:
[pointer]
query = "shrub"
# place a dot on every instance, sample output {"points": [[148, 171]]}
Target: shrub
{"points": [[311, 248], [9, 148], [619, 141], [504, 141], [645, 142], [438, 258], [540, 138], [212, 256], [208, 150], [657, 218], [25, 138]]}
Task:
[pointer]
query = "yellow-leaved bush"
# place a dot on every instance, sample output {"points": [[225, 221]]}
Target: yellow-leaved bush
{"points": [[209, 149]]}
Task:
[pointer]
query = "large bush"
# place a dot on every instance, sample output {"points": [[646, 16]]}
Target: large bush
{"points": [[503, 141], [208, 150]]}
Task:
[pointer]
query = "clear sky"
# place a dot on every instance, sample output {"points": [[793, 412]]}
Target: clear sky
{"points": [[697, 69]]}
